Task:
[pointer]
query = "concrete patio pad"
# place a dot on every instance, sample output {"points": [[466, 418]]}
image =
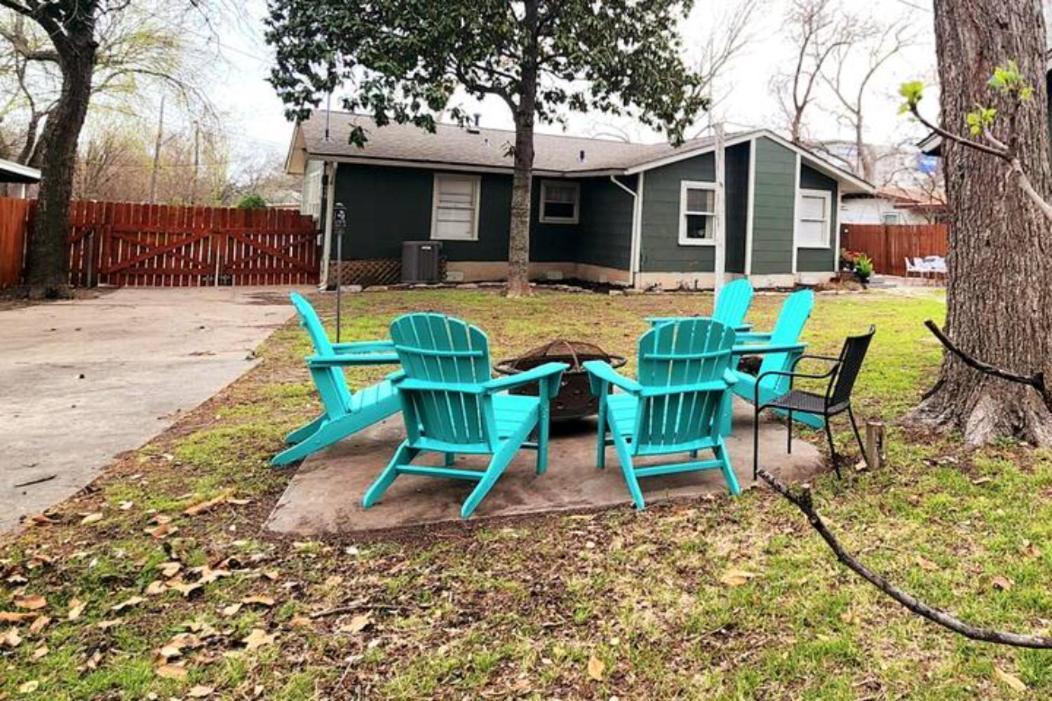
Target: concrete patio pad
{"points": [[86, 379], [324, 496]]}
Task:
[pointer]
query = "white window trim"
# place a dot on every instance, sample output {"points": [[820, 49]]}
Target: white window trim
{"points": [[828, 197], [576, 203], [477, 180], [685, 185]]}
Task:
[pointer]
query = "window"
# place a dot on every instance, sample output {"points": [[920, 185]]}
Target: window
{"points": [[812, 219], [697, 213], [560, 202], [891, 218], [455, 208]]}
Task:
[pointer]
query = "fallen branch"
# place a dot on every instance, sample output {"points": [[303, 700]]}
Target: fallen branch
{"points": [[802, 500], [1037, 380]]}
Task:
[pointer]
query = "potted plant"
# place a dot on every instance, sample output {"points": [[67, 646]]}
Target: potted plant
{"points": [[863, 268], [848, 259]]}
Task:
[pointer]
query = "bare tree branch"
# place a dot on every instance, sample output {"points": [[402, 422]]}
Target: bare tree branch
{"points": [[801, 499]]}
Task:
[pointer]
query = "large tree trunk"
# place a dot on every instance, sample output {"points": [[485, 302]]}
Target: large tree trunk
{"points": [[47, 269], [521, 185], [999, 293]]}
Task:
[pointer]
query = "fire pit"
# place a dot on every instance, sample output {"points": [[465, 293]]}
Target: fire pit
{"points": [[575, 399]]}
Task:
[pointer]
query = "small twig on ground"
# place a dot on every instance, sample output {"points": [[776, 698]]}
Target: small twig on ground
{"points": [[1037, 380], [802, 500], [36, 481]]}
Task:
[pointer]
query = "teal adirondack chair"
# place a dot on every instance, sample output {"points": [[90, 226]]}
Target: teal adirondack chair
{"points": [[730, 307], [452, 405], [674, 406], [345, 413], [780, 349]]}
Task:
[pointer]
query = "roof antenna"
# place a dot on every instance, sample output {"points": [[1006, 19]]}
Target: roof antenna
{"points": [[473, 127], [328, 114]]}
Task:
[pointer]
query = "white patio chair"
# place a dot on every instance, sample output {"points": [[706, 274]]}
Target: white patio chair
{"points": [[911, 267]]}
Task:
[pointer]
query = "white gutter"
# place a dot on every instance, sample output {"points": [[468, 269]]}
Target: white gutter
{"points": [[749, 207], [636, 218]]}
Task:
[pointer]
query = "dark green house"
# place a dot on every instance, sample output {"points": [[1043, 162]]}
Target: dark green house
{"points": [[607, 211]]}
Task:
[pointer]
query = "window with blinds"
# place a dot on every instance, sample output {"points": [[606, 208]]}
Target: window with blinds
{"points": [[697, 213], [560, 202], [813, 218], [455, 207]]}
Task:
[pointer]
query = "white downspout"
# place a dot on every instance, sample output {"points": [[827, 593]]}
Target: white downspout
{"points": [[633, 257]]}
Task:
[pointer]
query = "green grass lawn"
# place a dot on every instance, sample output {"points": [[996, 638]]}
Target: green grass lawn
{"points": [[619, 603]]}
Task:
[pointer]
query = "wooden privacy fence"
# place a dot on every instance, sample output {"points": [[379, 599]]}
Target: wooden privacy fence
{"points": [[14, 224], [126, 244], [889, 245]]}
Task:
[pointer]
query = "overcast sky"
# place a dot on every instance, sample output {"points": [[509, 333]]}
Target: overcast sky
{"points": [[256, 121]]}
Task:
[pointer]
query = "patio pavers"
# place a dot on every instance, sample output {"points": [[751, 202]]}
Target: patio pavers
{"points": [[324, 496]]}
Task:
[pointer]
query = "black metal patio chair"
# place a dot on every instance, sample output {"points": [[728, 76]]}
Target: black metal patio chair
{"points": [[837, 398]]}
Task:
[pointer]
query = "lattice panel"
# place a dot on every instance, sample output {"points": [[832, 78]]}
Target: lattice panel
{"points": [[384, 271]]}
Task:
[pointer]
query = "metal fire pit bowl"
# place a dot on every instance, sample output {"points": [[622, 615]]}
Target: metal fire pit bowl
{"points": [[575, 400]]}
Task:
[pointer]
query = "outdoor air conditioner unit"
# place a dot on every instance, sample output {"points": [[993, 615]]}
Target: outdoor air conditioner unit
{"points": [[420, 261]]}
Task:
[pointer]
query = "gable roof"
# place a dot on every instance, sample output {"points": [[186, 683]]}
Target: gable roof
{"points": [[484, 149], [11, 172]]}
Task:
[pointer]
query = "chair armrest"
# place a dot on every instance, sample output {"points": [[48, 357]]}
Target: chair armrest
{"points": [[548, 371], [600, 371], [413, 383], [730, 377], [768, 348], [791, 375], [364, 347], [743, 329], [810, 356], [395, 377], [752, 336], [352, 359], [658, 320]]}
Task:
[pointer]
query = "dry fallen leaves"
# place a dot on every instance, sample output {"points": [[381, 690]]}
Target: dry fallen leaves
{"points": [[258, 638], [1009, 679], [155, 587], [127, 603], [76, 607], [596, 668], [11, 638], [926, 564], [258, 601], [1001, 582], [231, 610], [39, 624], [200, 691], [171, 671], [31, 602], [40, 652], [358, 623], [170, 569], [736, 578], [15, 616], [91, 518], [204, 506], [28, 687]]}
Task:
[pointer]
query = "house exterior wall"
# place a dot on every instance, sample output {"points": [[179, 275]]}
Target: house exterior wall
{"points": [[774, 204], [388, 205], [871, 210], [819, 260], [660, 250]]}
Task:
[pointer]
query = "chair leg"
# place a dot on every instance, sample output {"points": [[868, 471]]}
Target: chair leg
{"points": [[305, 431], [858, 436], [726, 468], [402, 456], [789, 433], [543, 429], [832, 448], [755, 441], [328, 433], [628, 471], [496, 468], [450, 459], [600, 446]]}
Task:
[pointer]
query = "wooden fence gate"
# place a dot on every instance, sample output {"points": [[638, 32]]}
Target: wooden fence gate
{"points": [[889, 245], [124, 244]]}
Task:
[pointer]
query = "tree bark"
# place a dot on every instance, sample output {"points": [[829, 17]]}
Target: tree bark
{"points": [[999, 291], [522, 180], [47, 268]]}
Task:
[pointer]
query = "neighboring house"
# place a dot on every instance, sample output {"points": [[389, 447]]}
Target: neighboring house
{"points": [[12, 173], [893, 205], [606, 211]]}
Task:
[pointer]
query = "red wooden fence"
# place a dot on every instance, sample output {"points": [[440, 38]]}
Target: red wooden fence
{"points": [[127, 244], [14, 225], [890, 245]]}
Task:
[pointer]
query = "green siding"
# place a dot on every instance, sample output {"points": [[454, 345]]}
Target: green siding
{"points": [[737, 194], [389, 205], [819, 260], [604, 236], [660, 250], [773, 208]]}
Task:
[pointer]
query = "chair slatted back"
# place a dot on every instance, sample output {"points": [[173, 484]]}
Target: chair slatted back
{"points": [[787, 330], [851, 357], [453, 357], [331, 383], [678, 357], [733, 303]]}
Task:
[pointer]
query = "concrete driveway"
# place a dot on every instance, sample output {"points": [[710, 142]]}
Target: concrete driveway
{"points": [[84, 380]]}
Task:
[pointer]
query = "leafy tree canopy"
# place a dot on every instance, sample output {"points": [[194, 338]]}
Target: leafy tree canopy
{"points": [[406, 58], [252, 201]]}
